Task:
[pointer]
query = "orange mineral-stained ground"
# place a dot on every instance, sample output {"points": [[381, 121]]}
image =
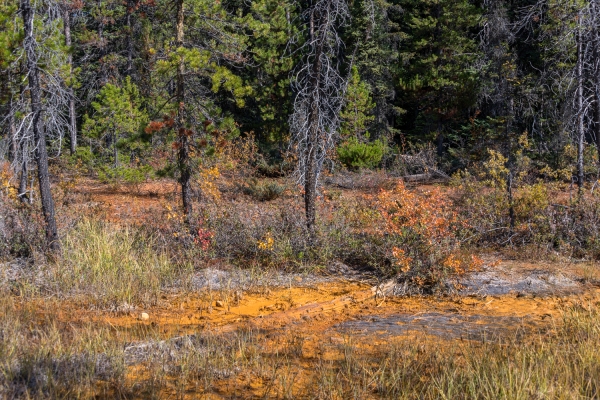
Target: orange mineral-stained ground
{"points": [[302, 327]]}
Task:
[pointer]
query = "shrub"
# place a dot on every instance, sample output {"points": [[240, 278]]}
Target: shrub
{"points": [[423, 230], [355, 155], [133, 175], [569, 226], [21, 231], [263, 190]]}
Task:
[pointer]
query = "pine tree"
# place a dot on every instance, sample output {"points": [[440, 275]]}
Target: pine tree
{"points": [[372, 42], [437, 75], [194, 65], [117, 119], [272, 23]]}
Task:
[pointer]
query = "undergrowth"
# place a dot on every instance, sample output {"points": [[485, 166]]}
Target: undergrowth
{"points": [[113, 266]]}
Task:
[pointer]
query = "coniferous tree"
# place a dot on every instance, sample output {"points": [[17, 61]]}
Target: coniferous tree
{"points": [[272, 23], [372, 43], [193, 66], [437, 75]]}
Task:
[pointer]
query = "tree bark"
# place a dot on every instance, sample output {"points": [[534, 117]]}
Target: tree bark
{"points": [[12, 130], [596, 55], [580, 122], [23, 183], [311, 174], [39, 134], [129, 22], [183, 151], [71, 94]]}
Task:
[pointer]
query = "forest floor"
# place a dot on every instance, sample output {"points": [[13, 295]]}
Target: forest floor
{"points": [[339, 333]]}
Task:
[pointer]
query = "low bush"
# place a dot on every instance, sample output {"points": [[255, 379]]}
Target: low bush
{"points": [[21, 230], [543, 215], [263, 190], [356, 155], [125, 174]]}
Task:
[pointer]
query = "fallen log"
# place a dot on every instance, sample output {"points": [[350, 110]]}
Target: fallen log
{"points": [[436, 175]]}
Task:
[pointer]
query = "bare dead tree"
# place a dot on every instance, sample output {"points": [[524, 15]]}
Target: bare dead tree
{"points": [[320, 89], [41, 153], [66, 10], [572, 49], [595, 11], [43, 101], [579, 100]]}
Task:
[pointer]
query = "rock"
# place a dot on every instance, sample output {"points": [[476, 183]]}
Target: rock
{"points": [[238, 296], [144, 316], [219, 303]]}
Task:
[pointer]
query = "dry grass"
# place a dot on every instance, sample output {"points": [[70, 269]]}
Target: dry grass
{"points": [[41, 358], [114, 266], [563, 365]]}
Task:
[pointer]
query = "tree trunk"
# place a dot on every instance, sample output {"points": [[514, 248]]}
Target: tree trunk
{"points": [[311, 174], [70, 93], [510, 162], [596, 83], [12, 131], [23, 183], [129, 22], [580, 125], [183, 153], [116, 149], [101, 47], [39, 134], [511, 207], [440, 139]]}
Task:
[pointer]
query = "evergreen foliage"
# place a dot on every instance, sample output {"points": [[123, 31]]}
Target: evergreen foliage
{"points": [[170, 82], [356, 155]]}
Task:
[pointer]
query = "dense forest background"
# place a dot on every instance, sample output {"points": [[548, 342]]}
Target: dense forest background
{"points": [[508, 91]]}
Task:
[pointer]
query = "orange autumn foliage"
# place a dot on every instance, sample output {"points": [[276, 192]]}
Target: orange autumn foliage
{"points": [[423, 228]]}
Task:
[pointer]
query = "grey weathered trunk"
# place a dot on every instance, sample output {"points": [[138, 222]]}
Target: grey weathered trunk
{"points": [[320, 92], [12, 131], [39, 135], [311, 173], [597, 105], [70, 93], [510, 165], [183, 155], [596, 78], [580, 110], [23, 183]]}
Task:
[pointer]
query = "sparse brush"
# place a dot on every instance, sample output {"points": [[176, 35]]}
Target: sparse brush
{"points": [[264, 190], [21, 232]]}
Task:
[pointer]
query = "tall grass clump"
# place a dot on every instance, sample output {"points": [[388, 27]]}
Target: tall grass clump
{"points": [[114, 266], [562, 364], [42, 358]]}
